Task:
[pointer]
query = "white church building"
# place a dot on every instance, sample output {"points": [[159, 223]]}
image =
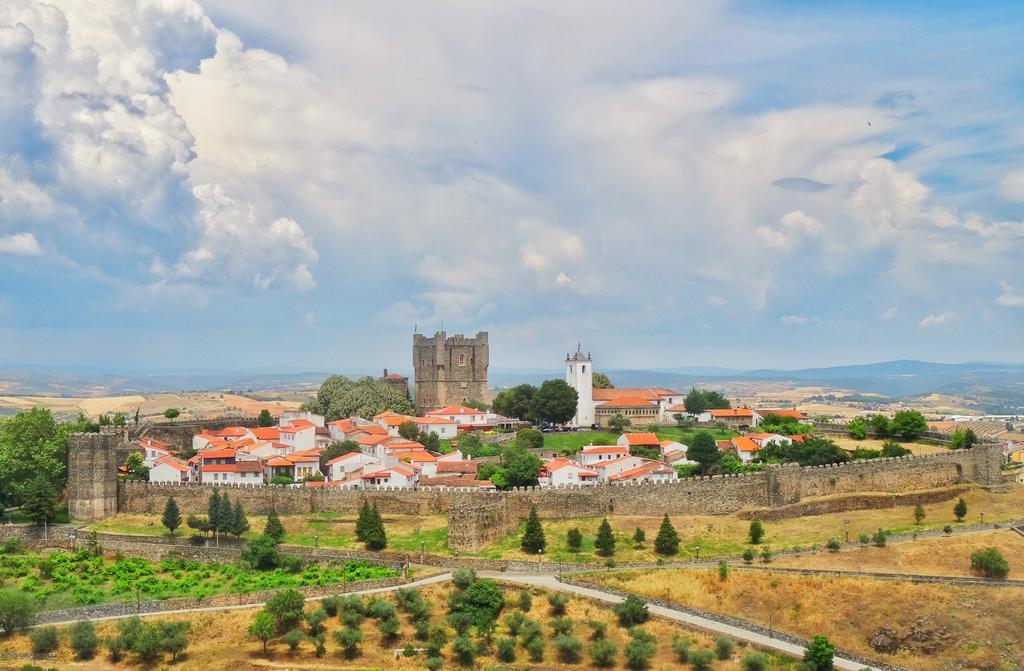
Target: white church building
{"points": [[651, 405]]}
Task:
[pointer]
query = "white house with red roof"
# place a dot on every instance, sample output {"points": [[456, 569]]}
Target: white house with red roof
{"points": [[289, 417], [169, 469], [736, 417], [561, 471], [594, 454], [607, 469], [351, 464], [650, 470], [424, 462], [444, 428], [396, 476], [153, 449], [763, 440], [673, 452], [650, 440], [788, 413], [299, 435], [461, 415]]}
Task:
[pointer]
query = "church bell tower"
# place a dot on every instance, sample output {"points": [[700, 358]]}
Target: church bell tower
{"points": [[579, 373]]}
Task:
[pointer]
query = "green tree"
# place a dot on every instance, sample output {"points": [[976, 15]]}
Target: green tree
{"points": [[213, 511], [375, 536], [960, 510], [17, 610], [533, 541], [173, 637], [639, 538], [409, 430], [990, 563], [172, 413], [515, 402], [273, 529], [39, 501], [349, 639], [639, 650], [341, 397], [239, 522], [286, 608], [603, 653], [724, 647], [521, 467], [506, 650], [618, 422], [880, 425], [701, 660], [667, 540], [858, 428], [755, 661], [704, 451], [44, 640], [605, 541], [819, 654], [530, 439], [265, 419], [263, 628], [83, 639], [695, 402], [336, 449], [631, 611], [756, 532], [568, 648], [136, 468], [171, 519], [574, 540], [918, 514], [909, 424], [294, 639], [601, 381], [261, 553], [555, 402], [464, 650], [558, 603]]}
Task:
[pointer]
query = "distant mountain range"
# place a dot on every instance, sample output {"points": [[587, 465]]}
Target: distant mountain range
{"points": [[996, 387]]}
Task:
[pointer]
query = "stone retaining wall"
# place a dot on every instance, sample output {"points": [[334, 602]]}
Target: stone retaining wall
{"points": [[841, 504], [220, 600]]}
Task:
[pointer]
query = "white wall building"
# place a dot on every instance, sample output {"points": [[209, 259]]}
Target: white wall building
{"points": [[461, 415], [299, 436], [444, 428], [289, 416], [595, 454], [168, 469], [579, 373]]}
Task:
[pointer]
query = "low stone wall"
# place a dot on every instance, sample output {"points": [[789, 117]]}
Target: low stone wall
{"points": [[841, 504], [221, 600]]}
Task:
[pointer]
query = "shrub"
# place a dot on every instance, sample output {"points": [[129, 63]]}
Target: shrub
{"points": [[293, 638], [603, 653], [351, 618], [756, 533], [701, 660], [515, 622], [525, 601], [330, 605], [833, 545], [349, 639], [667, 540], [409, 651], [434, 663], [598, 630], [605, 541], [286, 609], [723, 570], [878, 539], [724, 647], [464, 577], [639, 650], [115, 647], [755, 661], [17, 610], [863, 539], [568, 648], [990, 563], [389, 628], [574, 540], [681, 649], [261, 628], [315, 621], [380, 609], [639, 538], [948, 529], [506, 650], [560, 625], [533, 541], [464, 650], [44, 640], [557, 603], [748, 556], [960, 510], [632, 611], [819, 653], [83, 639], [766, 554], [535, 649], [530, 631]]}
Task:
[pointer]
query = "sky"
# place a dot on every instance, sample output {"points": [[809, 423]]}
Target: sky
{"points": [[300, 185]]}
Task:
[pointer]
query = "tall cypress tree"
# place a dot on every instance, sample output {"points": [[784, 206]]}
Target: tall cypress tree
{"points": [[239, 522], [213, 510], [375, 537], [172, 516], [225, 515], [364, 519], [667, 542], [274, 530], [605, 541], [533, 541]]}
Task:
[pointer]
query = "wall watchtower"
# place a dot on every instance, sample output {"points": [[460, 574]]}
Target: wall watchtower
{"points": [[449, 370]]}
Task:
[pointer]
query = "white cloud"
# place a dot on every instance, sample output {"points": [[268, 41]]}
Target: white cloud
{"points": [[793, 320], [889, 313], [939, 319], [309, 320], [24, 244], [1012, 186], [1010, 298], [715, 301], [562, 279], [794, 227]]}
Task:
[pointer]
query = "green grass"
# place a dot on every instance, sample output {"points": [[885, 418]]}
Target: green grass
{"points": [[62, 579], [17, 517]]}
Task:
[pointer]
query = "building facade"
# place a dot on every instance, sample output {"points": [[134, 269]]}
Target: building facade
{"points": [[579, 373], [449, 370]]}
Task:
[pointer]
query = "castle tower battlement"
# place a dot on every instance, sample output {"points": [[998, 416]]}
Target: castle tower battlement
{"points": [[92, 472], [449, 370]]}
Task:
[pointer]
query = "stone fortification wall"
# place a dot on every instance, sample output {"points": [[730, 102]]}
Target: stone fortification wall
{"points": [[180, 432], [92, 472]]}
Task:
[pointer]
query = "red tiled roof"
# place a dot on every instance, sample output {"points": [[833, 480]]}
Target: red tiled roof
{"points": [[732, 412], [456, 410], [744, 444], [251, 466], [464, 466], [234, 431], [176, 464], [217, 454], [267, 433], [372, 440], [641, 438], [783, 412], [627, 402], [434, 420], [647, 393], [646, 467], [344, 457], [279, 461], [419, 456], [604, 449]]}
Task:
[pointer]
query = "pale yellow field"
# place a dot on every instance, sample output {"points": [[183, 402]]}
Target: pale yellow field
{"points": [[191, 405], [873, 444]]}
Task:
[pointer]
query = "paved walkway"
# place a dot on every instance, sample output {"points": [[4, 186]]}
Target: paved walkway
{"points": [[551, 582]]}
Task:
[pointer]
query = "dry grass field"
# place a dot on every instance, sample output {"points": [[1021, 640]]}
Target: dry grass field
{"points": [[192, 405], [875, 444], [934, 627], [219, 641], [928, 556]]}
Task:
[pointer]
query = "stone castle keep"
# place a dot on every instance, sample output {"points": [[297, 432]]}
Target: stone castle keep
{"points": [[449, 370], [476, 518], [92, 472]]}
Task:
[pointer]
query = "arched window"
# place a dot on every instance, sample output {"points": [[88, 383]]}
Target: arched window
{"points": [[462, 359], [583, 368]]}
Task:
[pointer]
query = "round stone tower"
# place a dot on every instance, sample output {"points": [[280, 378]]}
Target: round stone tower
{"points": [[92, 472]]}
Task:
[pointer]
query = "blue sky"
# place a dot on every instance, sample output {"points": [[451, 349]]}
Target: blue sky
{"points": [[298, 185]]}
